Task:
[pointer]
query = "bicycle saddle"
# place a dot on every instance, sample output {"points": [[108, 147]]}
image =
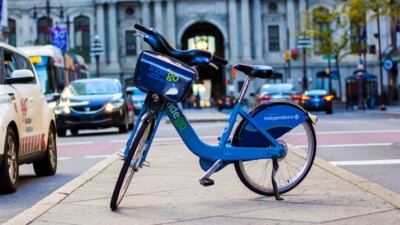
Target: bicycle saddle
{"points": [[190, 57], [255, 70]]}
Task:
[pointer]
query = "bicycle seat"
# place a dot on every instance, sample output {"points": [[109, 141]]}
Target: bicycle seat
{"points": [[191, 57], [255, 70]]}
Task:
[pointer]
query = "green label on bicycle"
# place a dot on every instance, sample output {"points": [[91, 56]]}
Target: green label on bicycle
{"points": [[178, 120], [172, 77]]}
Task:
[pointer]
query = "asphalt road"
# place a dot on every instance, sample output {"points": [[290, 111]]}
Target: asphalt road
{"points": [[365, 144]]}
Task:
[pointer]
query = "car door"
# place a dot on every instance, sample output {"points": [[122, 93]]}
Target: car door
{"points": [[29, 125]]}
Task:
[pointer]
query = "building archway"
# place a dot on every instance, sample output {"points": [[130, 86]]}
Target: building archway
{"points": [[203, 35]]}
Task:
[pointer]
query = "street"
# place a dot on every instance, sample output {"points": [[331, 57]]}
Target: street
{"points": [[363, 143]]}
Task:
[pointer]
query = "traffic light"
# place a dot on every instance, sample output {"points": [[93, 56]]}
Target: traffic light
{"points": [[287, 55], [294, 54], [234, 73]]}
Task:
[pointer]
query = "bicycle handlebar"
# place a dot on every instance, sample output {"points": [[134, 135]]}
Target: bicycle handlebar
{"points": [[190, 57]]}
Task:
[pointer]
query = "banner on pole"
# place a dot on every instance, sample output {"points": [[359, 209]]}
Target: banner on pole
{"points": [[59, 38]]}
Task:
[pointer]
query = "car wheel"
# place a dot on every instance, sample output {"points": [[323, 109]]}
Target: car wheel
{"points": [[9, 172], [48, 164], [61, 132], [329, 111], [124, 128], [74, 131]]}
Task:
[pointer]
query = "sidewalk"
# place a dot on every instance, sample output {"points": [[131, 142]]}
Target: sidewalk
{"points": [[168, 192]]}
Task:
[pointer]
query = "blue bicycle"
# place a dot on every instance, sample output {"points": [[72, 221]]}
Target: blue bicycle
{"points": [[276, 137]]}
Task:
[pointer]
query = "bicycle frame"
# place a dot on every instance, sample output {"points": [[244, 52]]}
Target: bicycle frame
{"points": [[224, 150]]}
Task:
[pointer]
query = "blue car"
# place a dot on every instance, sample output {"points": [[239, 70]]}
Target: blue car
{"points": [[317, 100], [94, 103]]}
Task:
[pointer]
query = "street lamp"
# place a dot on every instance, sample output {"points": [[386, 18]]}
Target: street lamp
{"points": [[378, 36], [47, 8], [97, 51]]}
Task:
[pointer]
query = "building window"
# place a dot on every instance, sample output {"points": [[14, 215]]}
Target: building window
{"points": [[321, 26], [12, 36], [130, 42], [273, 38], [43, 28], [358, 37], [272, 7], [82, 35]]}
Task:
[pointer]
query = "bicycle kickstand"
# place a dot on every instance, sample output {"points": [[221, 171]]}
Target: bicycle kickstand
{"points": [[275, 168]]}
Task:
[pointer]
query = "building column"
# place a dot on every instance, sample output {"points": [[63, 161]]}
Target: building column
{"points": [[146, 13], [23, 29], [291, 21], [158, 16], [233, 38], [171, 33], [256, 32], [302, 8], [113, 37], [145, 22], [100, 30], [245, 20]]}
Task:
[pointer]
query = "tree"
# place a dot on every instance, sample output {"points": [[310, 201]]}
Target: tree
{"points": [[329, 33]]}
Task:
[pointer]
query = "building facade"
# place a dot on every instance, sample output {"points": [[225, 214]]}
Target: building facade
{"points": [[246, 31]]}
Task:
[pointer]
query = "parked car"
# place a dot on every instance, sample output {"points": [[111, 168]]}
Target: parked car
{"points": [[279, 91], [137, 96], [317, 100], [27, 126], [94, 103], [226, 102]]}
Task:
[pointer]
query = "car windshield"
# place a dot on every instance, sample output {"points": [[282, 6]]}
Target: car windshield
{"points": [[137, 91], [277, 88], [93, 87], [316, 92]]}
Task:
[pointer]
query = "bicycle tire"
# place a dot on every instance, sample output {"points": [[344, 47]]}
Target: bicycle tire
{"points": [[132, 161], [293, 168]]}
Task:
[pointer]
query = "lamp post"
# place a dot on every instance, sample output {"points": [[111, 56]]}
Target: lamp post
{"points": [[97, 51], [382, 105], [47, 8]]}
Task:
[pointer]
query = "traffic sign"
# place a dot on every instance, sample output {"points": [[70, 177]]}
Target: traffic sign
{"points": [[304, 42], [388, 64], [328, 57], [97, 48]]}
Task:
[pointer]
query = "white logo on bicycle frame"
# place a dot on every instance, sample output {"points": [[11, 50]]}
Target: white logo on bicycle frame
{"points": [[282, 117]]}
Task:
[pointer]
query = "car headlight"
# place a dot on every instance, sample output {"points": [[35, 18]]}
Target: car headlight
{"points": [[62, 109], [111, 106]]}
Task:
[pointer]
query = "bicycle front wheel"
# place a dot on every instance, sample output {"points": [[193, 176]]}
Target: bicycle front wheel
{"points": [[133, 160], [300, 143]]}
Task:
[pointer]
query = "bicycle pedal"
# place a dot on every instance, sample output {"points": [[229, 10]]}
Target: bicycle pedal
{"points": [[121, 154], [206, 182], [146, 164]]}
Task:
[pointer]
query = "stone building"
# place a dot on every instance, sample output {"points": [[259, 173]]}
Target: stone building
{"points": [[248, 31]]}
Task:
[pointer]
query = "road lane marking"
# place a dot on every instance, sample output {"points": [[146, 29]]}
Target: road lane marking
{"points": [[353, 145], [76, 143], [366, 162], [357, 132], [96, 156]]}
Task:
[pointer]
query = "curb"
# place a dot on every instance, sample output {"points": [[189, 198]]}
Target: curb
{"points": [[60, 194], [373, 188]]}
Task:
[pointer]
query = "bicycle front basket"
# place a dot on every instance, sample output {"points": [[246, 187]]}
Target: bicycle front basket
{"points": [[163, 75]]}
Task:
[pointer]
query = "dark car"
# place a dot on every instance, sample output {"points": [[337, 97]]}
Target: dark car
{"points": [[317, 100], [94, 103], [138, 98], [278, 91], [226, 102]]}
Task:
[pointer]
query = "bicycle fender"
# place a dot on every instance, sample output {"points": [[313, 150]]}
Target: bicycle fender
{"points": [[275, 117]]}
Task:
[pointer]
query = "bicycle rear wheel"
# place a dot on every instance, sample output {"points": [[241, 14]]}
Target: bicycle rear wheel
{"points": [[300, 143], [133, 160]]}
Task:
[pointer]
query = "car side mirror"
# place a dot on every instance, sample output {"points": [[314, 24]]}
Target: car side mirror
{"points": [[20, 76]]}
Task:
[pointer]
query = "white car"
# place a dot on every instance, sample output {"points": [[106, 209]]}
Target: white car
{"points": [[27, 124]]}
